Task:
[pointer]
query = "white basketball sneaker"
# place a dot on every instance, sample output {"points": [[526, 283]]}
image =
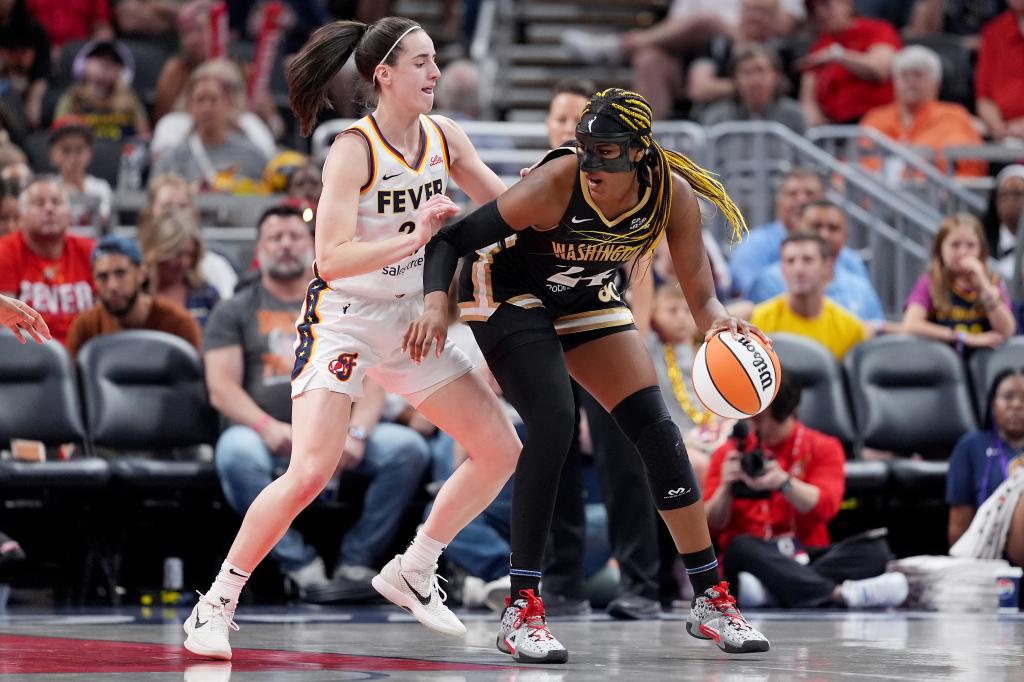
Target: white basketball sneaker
{"points": [[524, 632], [714, 616], [419, 593], [207, 629]]}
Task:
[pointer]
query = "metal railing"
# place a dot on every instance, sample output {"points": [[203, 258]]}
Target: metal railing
{"points": [[911, 169], [892, 232]]}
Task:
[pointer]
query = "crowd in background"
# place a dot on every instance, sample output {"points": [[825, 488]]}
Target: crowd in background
{"points": [[70, 92]]}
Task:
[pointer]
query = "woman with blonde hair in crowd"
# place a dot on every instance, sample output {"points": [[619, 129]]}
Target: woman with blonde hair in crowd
{"points": [[172, 248], [959, 299], [168, 192], [213, 143]]}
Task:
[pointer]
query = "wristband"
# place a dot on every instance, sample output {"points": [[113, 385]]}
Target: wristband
{"points": [[786, 484], [961, 337], [258, 425]]}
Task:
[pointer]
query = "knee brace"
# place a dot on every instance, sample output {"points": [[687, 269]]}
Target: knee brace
{"points": [[644, 419]]}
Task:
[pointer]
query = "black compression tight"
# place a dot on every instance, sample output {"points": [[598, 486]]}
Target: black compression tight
{"points": [[535, 381]]}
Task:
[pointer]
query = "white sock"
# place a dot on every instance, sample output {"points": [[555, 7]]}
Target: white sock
{"points": [[228, 585], [422, 554]]}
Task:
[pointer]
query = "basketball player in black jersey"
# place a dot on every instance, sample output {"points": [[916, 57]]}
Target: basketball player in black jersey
{"points": [[540, 298]]}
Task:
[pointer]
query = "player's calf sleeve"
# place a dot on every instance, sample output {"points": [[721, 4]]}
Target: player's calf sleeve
{"points": [[645, 420]]}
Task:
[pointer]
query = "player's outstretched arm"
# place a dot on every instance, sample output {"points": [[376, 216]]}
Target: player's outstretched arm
{"points": [[21, 318]]}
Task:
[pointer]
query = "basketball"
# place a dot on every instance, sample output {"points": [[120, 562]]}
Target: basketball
{"points": [[735, 378]]}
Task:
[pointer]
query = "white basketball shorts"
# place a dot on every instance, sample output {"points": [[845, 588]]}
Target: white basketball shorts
{"points": [[343, 338]]}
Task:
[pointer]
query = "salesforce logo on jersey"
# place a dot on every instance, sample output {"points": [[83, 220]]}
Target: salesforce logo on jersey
{"points": [[399, 270]]}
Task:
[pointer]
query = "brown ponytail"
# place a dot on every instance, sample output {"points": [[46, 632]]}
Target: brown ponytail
{"points": [[326, 52]]}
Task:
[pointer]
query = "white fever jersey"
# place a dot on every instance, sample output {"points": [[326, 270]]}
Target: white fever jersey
{"points": [[395, 189]]}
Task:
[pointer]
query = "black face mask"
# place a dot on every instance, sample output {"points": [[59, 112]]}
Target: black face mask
{"points": [[592, 160], [597, 129]]}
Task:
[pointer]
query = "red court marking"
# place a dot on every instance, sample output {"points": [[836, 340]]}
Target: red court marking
{"points": [[33, 655]]}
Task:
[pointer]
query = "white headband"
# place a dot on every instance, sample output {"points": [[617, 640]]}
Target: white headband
{"points": [[388, 53]]}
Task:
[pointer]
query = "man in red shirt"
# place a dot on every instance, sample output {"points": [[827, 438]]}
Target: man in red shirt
{"points": [[772, 526], [848, 69], [999, 80], [42, 264], [67, 20]]}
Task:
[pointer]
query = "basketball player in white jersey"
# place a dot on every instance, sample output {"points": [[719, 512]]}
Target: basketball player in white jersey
{"points": [[368, 286]]}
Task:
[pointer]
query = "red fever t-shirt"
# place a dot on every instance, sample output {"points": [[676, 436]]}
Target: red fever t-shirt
{"points": [[59, 289], [842, 95]]}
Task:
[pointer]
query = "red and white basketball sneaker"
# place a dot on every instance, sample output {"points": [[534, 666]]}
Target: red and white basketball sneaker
{"points": [[714, 616]]}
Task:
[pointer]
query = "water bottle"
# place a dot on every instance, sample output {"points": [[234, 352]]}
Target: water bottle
{"points": [[173, 581], [129, 176]]}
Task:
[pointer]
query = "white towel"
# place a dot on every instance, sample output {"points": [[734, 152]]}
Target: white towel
{"points": [[985, 538]]}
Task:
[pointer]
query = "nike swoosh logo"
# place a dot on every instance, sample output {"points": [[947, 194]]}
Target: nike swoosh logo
{"points": [[388, 177], [423, 600], [234, 572], [577, 221], [201, 623]]}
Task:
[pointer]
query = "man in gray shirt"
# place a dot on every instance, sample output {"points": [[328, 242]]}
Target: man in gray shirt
{"points": [[248, 351]]}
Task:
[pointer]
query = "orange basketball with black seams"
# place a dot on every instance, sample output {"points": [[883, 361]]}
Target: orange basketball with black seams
{"points": [[737, 377]]}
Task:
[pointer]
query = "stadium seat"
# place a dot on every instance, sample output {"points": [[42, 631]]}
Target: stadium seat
{"points": [[910, 395], [144, 390], [916, 479], [38, 398], [824, 404], [985, 365]]}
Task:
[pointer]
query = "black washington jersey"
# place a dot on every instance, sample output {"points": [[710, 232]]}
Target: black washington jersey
{"points": [[574, 278]]}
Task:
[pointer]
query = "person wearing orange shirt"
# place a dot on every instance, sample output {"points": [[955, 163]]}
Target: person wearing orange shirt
{"points": [[917, 117], [43, 265]]}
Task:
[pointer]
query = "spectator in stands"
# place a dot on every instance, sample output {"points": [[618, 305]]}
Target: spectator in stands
{"points": [[10, 552], [120, 276], [10, 212], [1003, 218], [146, 18], [998, 80], [983, 459], [214, 151], [24, 59], [68, 20], [172, 90], [44, 266], [761, 247], [168, 192], [306, 183], [193, 24], [807, 267], [757, 81], [247, 350], [964, 18], [853, 292], [847, 71], [959, 300], [773, 527], [71, 153], [568, 98], [917, 117], [172, 248], [657, 53], [711, 77], [18, 175], [673, 342], [102, 94]]}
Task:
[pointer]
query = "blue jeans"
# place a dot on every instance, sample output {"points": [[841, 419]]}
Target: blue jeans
{"points": [[395, 461]]}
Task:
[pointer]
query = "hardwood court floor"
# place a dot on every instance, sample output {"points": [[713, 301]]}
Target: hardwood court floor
{"points": [[308, 644]]}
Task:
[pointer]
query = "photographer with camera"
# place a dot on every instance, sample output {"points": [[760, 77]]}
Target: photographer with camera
{"points": [[770, 492]]}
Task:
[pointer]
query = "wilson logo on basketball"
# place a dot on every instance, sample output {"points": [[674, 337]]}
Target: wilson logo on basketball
{"points": [[342, 367], [759, 362], [436, 159]]}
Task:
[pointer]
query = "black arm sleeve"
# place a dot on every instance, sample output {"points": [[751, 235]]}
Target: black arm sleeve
{"points": [[481, 228]]}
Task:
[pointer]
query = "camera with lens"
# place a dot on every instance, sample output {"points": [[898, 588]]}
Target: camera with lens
{"points": [[752, 462]]}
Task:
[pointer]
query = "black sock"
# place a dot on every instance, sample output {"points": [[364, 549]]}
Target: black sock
{"points": [[702, 568], [524, 579]]}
